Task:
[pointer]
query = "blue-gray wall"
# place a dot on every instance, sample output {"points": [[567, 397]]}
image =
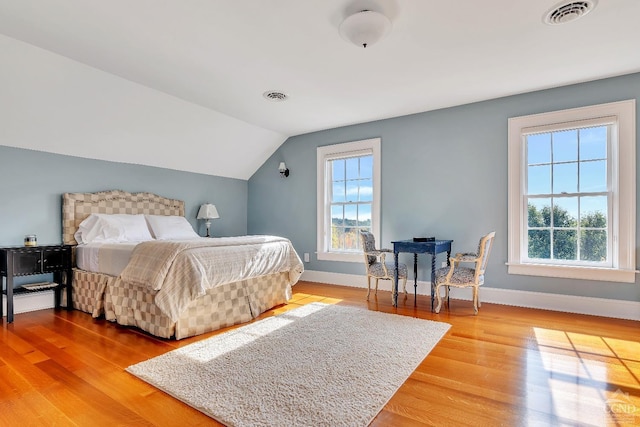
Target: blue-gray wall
{"points": [[32, 183], [444, 173]]}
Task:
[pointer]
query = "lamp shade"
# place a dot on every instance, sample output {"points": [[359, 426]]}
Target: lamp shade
{"points": [[208, 211], [364, 28]]}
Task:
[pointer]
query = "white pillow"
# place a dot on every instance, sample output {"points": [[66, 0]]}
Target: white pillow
{"points": [[135, 227], [114, 228], [171, 227], [94, 229]]}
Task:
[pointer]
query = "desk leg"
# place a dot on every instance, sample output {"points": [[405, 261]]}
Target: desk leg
{"points": [[433, 278], [415, 280], [394, 293], [9, 288], [448, 265]]}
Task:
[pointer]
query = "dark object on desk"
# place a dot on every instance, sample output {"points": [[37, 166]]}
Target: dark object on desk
{"points": [[424, 239]]}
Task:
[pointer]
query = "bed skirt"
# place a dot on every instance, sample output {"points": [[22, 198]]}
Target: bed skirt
{"points": [[222, 306]]}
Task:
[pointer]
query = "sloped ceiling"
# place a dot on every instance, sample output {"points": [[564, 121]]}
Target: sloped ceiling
{"points": [[221, 56]]}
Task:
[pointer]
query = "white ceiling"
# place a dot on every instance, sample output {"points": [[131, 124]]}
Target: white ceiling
{"points": [[222, 55]]}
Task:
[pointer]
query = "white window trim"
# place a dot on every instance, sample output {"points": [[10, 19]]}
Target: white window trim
{"points": [[328, 151], [623, 204]]}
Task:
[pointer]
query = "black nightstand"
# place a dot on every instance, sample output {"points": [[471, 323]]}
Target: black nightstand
{"points": [[29, 260]]}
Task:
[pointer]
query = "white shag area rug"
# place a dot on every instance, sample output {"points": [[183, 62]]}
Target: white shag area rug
{"points": [[317, 365]]}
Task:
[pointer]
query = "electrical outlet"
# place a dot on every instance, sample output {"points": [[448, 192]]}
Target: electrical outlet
{"points": [[444, 264], [306, 257]]}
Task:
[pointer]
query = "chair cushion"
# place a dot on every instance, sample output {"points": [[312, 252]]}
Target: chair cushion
{"points": [[368, 245], [461, 276], [376, 270]]}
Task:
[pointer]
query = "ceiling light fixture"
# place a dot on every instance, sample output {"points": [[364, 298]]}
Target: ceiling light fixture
{"points": [[364, 28], [568, 11]]}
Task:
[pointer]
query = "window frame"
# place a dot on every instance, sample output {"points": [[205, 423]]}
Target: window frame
{"points": [[622, 220], [332, 152]]}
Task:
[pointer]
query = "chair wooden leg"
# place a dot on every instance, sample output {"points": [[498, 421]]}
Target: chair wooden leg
{"points": [[368, 287], [438, 298], [475, 300], [404, 285], [377, 286]]}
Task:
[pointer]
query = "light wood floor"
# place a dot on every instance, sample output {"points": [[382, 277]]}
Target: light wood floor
{"points": [[507, 366]]}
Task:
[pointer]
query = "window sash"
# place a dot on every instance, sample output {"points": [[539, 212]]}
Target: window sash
{"points": [[554, 258]]}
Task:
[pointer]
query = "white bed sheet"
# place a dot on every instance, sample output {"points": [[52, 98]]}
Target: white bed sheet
{"points": [[106, 258]]}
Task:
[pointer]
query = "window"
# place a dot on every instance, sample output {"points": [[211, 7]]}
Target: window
{"points": [[572, 193], [348, 198]]}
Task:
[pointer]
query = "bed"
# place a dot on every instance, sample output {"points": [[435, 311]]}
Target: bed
{"points": [[141, 291]]}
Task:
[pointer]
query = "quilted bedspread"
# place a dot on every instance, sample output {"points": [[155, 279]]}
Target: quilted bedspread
{"points": [[181, 271]]}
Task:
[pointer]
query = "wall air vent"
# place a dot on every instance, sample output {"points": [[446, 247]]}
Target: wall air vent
{"points": [[273, 95], [568, 11]]}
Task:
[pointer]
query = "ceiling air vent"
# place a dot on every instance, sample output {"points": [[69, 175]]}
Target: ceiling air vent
{"points": [[274, 95], [568, 11]]}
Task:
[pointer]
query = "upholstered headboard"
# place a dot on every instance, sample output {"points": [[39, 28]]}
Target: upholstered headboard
{"points": [[78, 206]]}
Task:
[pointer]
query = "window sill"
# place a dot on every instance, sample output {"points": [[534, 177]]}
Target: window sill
{"points": [[567, 272], [340, 256]]}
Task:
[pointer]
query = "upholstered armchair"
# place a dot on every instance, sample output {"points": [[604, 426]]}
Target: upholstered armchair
{"points": [[459, 276], [377, 266]]}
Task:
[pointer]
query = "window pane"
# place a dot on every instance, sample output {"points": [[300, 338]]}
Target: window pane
{"points": [[351, 239], [353, 167], [338, 192], [337, 167], [593, 143], [593, 245], [593, 176], [539, 180], [366, 167], [352, 191], [366, 190], [337, 238], [565, 146], [539, 148], [593, 212], [351, 215], [565, 244], [539, 244], [565, 178], [337, 215], [565, 212], [364, 215], [539, 213]]}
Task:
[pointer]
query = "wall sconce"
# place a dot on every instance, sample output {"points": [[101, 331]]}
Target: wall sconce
{"points": [[284, 170], [208, 212]]}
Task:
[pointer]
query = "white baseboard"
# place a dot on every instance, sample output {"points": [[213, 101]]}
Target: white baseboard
{"points": [[557, 302], [24, 303]]}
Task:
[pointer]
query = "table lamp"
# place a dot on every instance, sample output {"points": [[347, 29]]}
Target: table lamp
{"points": [[208, 212]]}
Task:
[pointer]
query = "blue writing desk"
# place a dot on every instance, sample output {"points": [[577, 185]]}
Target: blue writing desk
{"points": [[433, 247]]}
